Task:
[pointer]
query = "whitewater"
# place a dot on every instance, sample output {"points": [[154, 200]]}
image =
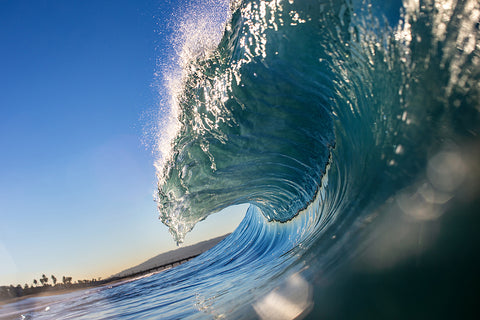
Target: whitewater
{"points": [[351, 130]]}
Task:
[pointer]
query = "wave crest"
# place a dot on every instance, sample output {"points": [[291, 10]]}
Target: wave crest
{"points": [[294, 85]]}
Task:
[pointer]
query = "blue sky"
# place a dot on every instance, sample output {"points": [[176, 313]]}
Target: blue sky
{"points": [[76, 95]]}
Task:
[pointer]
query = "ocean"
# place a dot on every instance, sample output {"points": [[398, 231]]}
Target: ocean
{"points": [[351, 128]]}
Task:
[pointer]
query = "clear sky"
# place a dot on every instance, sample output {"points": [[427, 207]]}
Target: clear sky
{"points": [[77, 94]]}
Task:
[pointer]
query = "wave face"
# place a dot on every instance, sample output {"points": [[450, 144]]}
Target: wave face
{"points": [[328, 117]]}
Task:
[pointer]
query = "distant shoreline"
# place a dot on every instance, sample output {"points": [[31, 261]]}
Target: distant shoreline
{"points": [[159, 263], [173, 257]]}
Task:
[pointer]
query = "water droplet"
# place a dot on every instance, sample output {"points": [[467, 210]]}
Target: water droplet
{"points": [[399, 149]]}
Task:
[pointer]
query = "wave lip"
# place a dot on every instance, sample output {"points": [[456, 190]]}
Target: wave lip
{"points": [[255, 118]]}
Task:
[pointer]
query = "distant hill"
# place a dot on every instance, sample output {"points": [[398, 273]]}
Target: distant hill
{"points": [[170, 257]]}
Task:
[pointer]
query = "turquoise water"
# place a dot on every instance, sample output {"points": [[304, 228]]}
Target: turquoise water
{"points": [[351, 129]]}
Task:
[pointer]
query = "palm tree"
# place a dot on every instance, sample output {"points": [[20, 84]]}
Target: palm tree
{"points": [[45, 279], [35, 282], [54, 279]]}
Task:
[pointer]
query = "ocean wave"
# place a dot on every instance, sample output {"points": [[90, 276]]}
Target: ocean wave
{"points": [[290, 81], [339, 122]]}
